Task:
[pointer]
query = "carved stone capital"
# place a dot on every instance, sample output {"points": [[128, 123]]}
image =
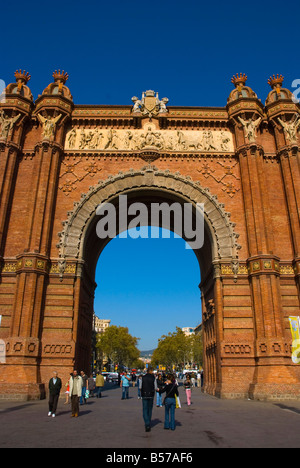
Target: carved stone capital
{"points": [[263, 264], [32, 263], [48, 146], [9, 146], [252, 149], [288, 151]]}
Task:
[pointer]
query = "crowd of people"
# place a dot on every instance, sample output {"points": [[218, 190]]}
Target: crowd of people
{"points": [[161, 387]]}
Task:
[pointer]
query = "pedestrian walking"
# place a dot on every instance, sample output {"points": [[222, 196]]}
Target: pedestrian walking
{"points": [[55, 385], [171, 390], [125, 383], [84, 388], [100, 382], [140, 381], [193, 379], [91, 385], [149, 388], [76, 385], [160, 385], [133, 378], [199, 380], [188, 389]]}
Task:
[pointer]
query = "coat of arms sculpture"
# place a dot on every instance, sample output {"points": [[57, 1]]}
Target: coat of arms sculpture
{"points": [[150, 105]]}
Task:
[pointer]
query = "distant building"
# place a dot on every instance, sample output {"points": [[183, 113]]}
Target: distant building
{"points": [[146, 360], [188, 331], [101, 325]]}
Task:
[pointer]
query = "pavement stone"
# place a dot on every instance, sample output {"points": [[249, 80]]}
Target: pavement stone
{"points": [[111, 423]]}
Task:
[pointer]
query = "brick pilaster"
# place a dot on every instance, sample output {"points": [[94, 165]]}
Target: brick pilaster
{"points": [[33, 264]]}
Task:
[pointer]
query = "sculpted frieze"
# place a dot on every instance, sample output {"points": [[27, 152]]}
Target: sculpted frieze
{"points": [[149, 138]]}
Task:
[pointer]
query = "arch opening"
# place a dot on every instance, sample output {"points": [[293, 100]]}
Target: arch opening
{"points": [[80, 241], [149, 285], [93, 244]]}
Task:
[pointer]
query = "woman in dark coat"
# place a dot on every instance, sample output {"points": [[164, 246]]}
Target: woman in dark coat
{"points": [[171, 389]]}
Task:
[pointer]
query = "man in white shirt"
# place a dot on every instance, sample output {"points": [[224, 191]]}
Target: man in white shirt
{"points": [[76, 384]]}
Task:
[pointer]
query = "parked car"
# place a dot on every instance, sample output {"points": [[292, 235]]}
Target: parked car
{"points": [[113, 377], [105, 375], [190, 371]]}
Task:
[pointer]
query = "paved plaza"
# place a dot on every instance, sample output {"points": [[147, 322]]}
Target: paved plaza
{"points": [[112, 423]]}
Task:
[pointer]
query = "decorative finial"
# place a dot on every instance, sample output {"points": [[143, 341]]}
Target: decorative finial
{"points": [[276, 81], [239, 81], [60, 76], [22, 76]]}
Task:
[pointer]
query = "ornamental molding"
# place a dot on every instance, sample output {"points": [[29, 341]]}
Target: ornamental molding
{"points": [[225, 244], [235, 268]]}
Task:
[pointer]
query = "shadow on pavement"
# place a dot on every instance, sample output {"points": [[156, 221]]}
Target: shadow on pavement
{"points": [[16, 408]]}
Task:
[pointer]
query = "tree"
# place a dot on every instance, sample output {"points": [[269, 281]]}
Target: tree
{"points": [[197, 348], [119, 346], [177, 349]]}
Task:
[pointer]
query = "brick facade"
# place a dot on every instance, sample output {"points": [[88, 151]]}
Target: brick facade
{"points": [[242, 161]]}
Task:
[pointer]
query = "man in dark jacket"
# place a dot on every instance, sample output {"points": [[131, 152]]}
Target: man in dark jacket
{"points": [[54, 392], [148, 391]]}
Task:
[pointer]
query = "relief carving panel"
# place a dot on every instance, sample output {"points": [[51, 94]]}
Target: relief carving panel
{"points": [[149, 138]]}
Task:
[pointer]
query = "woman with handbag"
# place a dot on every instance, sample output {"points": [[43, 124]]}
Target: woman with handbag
{"points": [[171, 390]]}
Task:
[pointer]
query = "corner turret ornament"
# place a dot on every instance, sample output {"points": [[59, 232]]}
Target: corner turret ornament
{"points": [[7, 124], [49, 125], [250, 128], [276, 83], [239, 81], [22, 78], [150, 105], [291, 128]]}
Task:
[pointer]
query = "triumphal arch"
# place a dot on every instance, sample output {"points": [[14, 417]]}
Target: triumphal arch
{"points": [[59, 161]]}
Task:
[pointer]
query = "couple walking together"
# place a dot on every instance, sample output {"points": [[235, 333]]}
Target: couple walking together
{"points": [[149, 388], [76, 391]]}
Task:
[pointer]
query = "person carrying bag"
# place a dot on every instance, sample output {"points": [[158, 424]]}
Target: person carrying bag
{"points": [[171, 390], [178, 402]]}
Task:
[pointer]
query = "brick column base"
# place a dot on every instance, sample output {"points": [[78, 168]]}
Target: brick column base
{"points": [[273, 391], [22, 392]]}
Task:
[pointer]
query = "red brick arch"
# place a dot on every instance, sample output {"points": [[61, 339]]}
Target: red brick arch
{"points": [[79, 234], [241, 161]]}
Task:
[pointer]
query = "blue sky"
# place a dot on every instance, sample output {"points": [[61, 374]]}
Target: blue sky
{"points": [[187, 51], [149, 286]]}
